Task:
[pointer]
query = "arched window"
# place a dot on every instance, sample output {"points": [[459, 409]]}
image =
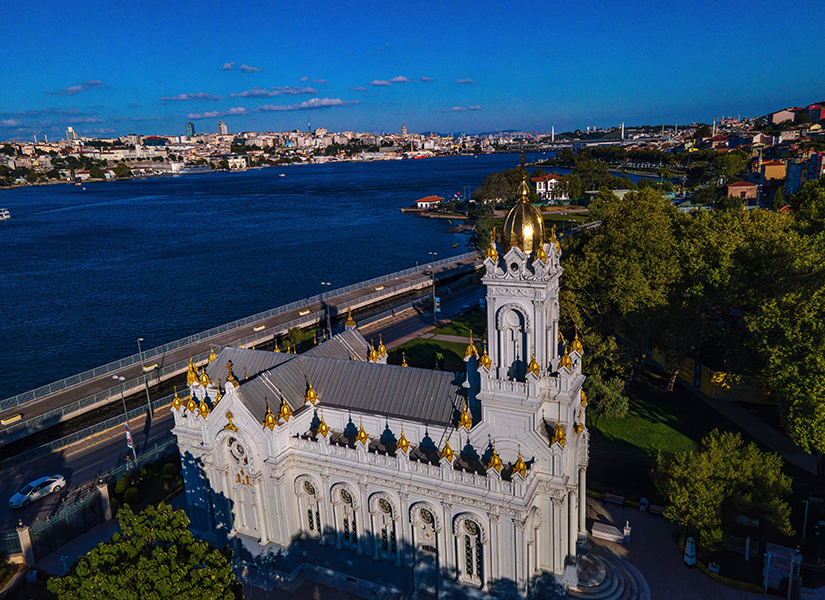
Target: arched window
{"points": [[473, 561], [313, 514], [309, 498], [388, 543], [349, 532]]}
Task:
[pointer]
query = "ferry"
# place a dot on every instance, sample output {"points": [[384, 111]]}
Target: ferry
{"points": [[5, 215]]}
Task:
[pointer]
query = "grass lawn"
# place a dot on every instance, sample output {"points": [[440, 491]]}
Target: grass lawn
{"points": [[422, 353], [474, 321]]}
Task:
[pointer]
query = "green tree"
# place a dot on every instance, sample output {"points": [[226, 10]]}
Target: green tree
{"points": [[122, 170], [96, 172], [779, 198], [606, 398], [154, 556], [730, 165], [703, 131], [706, 490]]}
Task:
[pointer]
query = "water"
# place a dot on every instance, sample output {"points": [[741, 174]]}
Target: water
{"points": [[85, 271]]}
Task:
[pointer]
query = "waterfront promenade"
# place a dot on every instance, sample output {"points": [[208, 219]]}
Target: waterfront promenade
{"points": [[42, 408]]}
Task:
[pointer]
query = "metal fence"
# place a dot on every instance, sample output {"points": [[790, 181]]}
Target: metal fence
{"points": [[160, 350], [10, 542]]}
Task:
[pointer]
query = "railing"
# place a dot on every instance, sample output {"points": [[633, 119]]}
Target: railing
{"points": [[10, 542], [160, 350]]}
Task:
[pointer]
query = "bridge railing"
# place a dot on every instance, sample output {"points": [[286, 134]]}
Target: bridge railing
{"points": [[160, 350]]}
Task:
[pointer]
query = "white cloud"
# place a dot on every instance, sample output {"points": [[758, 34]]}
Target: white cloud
{"points": [[319, 81], [248, 69], [458, 109], [475, 107], [89, 84], [230, 66], [294, 91], [380, 82], [465, 81], [304, 79], [185, 97], [213, 114], [308, 105], [399, 79], [259, 92], [426, 79], [360, 88], [10, 122]]}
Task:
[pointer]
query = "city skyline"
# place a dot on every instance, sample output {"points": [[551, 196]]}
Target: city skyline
{"points": [[466, 67]]}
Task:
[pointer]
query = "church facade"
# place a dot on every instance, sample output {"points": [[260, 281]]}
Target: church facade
{"points": [[400, 478]]}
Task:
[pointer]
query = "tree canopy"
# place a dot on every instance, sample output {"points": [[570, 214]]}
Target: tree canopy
{"points": [[154, 556]]}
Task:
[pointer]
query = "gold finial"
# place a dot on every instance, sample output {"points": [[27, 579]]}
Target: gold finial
{"points": [[495, 460], [534, 367], [350, 321], [554, 240], [561, 337], [230, 426], [211, 354], [323, 335], [277, 349], [286, 412], [311, 395], [576, 345], [192, 374], [176, 403], [204, 378], [566, 361], [404, 359], [230, 376], [382, 351], [403, 444], [362, 436], [559, 436], [203, 409], [447, 452], [540, 254], [373, 355], [471, 349], [323, 428], [218, 394], [584, 399], [314, 337], [579, 425], [192, 406], [245, 376], [491, 249], [269, 419], [466, 419], [486, 361], [520, 467]]}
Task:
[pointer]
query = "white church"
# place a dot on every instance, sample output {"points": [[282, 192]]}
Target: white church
{"points": [[396, 478]]}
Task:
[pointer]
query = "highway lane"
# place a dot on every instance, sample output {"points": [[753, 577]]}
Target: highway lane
{"points": [[81, 463], [106, 382]]}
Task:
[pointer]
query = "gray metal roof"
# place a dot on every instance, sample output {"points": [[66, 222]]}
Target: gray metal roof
{"points": [[254, 361], [389, 390], [343, 346]]}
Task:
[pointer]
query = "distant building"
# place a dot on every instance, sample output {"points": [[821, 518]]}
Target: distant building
{"points": [[190, 129], [548, 189], [403, 129], [816, 113], [71, 134], [222, 130], [428, 202], [781, 116], [773, 170], [743, 190]]}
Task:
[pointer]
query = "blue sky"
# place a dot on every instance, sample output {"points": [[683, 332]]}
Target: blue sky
{"points": [[111, 68]]}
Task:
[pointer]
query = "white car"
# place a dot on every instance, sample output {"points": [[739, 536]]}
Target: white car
{"points": [[37, 489]]}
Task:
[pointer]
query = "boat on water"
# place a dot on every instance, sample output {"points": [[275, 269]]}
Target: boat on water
{"points": [[282, 175], [183, 169], [5, 215]]}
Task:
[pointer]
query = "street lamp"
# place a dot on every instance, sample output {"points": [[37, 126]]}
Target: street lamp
{"points": [[126, 414], [805, 522], [435, 299], [326, 309], [145, 377]]}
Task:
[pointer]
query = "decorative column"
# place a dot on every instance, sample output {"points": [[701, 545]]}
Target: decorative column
{"points": [[495, 555], [521, 546], [359, 528], [583, 501], [26, 544], [404, 538], [259, 509], [572, 528], [328, 524], [558, 535], [449, 542]]}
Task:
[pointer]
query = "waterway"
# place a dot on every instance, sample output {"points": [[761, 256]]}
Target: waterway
{"points": [[86, 270]]}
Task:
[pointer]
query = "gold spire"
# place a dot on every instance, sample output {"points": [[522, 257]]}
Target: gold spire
{"points": [[286, 412], [382, 351], [192, 406], [203, 409], [277, 349], [323, 335], [554, 240], [176, 403], [534, 367], [524, 225], [576, 345], [218, 394], [447, 452], [584, 398], [350, 321], [471, 349], [323, 428], [566, 361], [230, 426], [495, 460], [520, 467], [373, 355], [311, 395], [403, 444], [211, 354], [404, 359], [485, 360], [230, 377], [362, 436], [466, 419], [269, 419], [491, 249], [559, 436], [314, 337], [192, 374]]}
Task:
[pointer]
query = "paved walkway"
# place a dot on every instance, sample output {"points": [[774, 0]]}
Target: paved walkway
{"points": [[658, 559]]}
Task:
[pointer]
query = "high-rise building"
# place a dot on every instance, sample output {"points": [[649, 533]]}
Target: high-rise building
{"points": [[71, 134], [222, 130], [190, 129]]}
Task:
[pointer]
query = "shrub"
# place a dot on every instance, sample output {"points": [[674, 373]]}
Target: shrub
{"points": [[132, 496], [170, 471], [123, 484]]}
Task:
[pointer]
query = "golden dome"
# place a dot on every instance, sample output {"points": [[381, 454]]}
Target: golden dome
{"points": [[495, 461], [541, 255], [534, 367], [471, 349], [447, 452], [350, 321], [192, 406], [404, 359], [403, 444], [559, 436], [362, 436], [211, 354], [176, 403], [312, 395], [373, 355], [277, 349], [269, 420], [382, 351], [204, 378], [203, 409], [491, 249], [520, 467], [576, 345], [524, 225], [323, 428], [466, 419], [566, 361], [286, 412], [485, 360]]}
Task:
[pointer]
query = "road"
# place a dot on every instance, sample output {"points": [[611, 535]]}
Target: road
{"points": [[81, 463], [106, 382]]}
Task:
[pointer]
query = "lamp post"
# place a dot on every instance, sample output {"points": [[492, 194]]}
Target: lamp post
{"points": [[435, 299], [805, 521], [326, 309], [126, 416], [145, 378]]}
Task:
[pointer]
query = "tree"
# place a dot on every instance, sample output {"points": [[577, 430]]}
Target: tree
{"points": [[122, 170], [729, 165], [703, 131], [606, 398], [779, 198], [706, 490], [154, 556], [96, 172]]}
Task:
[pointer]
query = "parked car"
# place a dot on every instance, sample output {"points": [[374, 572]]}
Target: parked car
{"points": [[37, 489]]}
